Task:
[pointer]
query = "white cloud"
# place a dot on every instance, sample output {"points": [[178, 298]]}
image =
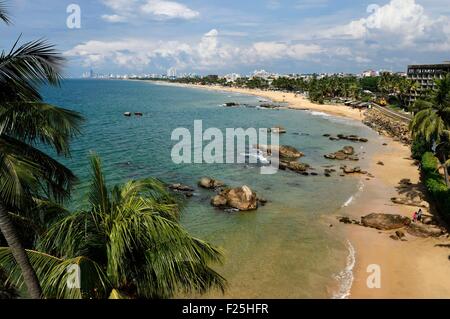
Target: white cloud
{"points": [[400, 23], [169, 10], [113, 18], [127, 10], [207, 53]]}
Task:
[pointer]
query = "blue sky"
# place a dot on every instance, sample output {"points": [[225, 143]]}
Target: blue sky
{"points": [[286, 36]]}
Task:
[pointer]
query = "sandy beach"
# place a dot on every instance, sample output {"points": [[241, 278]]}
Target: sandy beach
{"points": [[416, 268]]}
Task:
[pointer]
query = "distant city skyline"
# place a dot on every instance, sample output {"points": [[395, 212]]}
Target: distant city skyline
{"points": [[284, 36]]}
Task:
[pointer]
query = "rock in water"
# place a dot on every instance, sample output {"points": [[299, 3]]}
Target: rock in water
{"points": [[285, 151], [348, 150], [181, 188], [278, 130], [295, 166], [385, 221], [219, 201], [242, 198], [210, 183]]}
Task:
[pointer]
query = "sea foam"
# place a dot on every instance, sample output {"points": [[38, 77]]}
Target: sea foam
{"points": [[346, 277]]}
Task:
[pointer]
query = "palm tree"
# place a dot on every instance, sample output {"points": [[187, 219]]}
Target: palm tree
{"points": [[128, 243], [26, 173], [432, 120]]}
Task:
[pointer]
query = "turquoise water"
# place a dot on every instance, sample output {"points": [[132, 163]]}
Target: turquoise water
{"points": [[285, 249]]}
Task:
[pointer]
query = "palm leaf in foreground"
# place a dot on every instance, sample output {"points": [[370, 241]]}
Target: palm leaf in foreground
{"points": [[59, 277], [133, 234], [4, 13]]}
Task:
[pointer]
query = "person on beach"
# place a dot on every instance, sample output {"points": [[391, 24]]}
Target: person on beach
{"points": [[419, 215], [415, 215]]}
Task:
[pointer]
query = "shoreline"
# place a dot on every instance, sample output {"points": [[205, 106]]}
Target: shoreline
{"points": [[416, 268]]}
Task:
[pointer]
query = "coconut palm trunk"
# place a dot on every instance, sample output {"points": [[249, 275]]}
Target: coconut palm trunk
{"points": [[18, 251]]}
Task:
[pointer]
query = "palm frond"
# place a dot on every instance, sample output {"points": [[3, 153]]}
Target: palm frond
{"points": [[26, 67], [35, 122], [98, 192], [4, 16], [74, 278], [173, 260], [25, 169]]}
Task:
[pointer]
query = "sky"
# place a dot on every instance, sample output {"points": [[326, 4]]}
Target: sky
{"points": [[218, 37]]}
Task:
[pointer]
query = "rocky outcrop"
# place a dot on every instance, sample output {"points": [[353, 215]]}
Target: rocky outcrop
{"points": [[182, 189], [385, 221], [353, 170], [347, 153], [410, 202], [424, 231], [210, 183], [294, 166], [387, 126], [400, 224], [285, 151], [241, 198], [352, 138]]}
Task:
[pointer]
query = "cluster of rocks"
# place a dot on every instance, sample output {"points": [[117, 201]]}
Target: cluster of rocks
{"points": [[231, 199], [272, 106], [296, 167], [347, 153], [387, 126], [210, 183], [285, 151], [239, 198], [353, 170], [182, 189], [231, 104], [399, 224], [352, 138]]}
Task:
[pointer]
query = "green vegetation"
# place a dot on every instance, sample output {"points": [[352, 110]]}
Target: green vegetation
{"points": [[435, 184], [431, 127], [391, 87], [28, 177], [127, 244], [419, 147]]}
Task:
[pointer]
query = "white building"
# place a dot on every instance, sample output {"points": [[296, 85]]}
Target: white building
{"points": [[172, 73], [232, 77]]}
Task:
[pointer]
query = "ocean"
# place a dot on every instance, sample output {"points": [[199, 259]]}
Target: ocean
{"points": [[286, 249]]}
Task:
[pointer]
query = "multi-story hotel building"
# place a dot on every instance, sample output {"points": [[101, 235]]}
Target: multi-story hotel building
{"points": [[427, 74]]}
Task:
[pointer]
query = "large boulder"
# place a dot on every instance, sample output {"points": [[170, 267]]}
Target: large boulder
{"points": [[210, 183], [385, 221], [242, 198]]}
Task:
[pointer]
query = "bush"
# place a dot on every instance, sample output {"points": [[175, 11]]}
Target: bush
{"points": [[435, 184], [419, 147]]}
